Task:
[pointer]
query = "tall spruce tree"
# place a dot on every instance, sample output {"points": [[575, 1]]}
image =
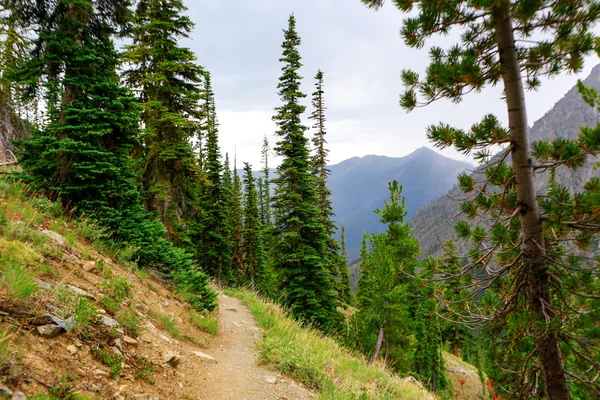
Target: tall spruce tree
{"points": [[167, 81], [300, 252], [253, 240], [236, 217], [214, 247], [515, 43], [81, 153], [345, 289]]}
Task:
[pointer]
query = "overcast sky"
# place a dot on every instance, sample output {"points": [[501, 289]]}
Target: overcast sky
{"points": [[361, 54]]}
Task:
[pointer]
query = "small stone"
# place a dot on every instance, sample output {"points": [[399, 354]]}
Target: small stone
{"points": [[43, 285], [118, 344], [18, 396], [180, 385], [116, 351], [143, 308], [72, 349], [110, 322], [81, 292], [173, 359], [271, 379], [100, 372], [163, 337], [204, 356], [231, 309], [49, 331], [55, 237], [130, 341], [89, 266], [81, 372], [165, 303], [94, 388], [5, 392]]}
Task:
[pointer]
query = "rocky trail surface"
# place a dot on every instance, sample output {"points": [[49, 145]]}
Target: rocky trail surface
{"points": [[236, 375]]}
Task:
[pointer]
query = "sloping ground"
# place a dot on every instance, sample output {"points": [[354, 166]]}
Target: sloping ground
{"points": [[334, 373], [77, 324]]}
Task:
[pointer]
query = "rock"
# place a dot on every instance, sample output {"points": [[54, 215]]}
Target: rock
{"points": [[55, 237], [130, 341], [43, 285], [81, 292], [100, 372], [108, 321], [173, 359], [18, 396], [116, 351], [143, 308], [118, 344], [49, 331], [94, 388], [204, 356], [163, 337], [5, 392], [231, 309], [165, 303], [271, 379], [89, 266], [67, 324], [72, 349]]}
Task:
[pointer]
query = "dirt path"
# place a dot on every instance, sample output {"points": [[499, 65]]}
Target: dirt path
{"points": [[236, 375]]}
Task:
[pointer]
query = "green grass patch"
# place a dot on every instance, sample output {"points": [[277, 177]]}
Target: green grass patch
{"points": [[113, 361], [130, 322], [167, 323], [319, 362], [206, 322]]}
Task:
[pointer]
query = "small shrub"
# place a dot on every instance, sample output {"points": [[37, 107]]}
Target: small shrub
{"points": [[126, 253], [143, 369], [130, 322], [118, 288], [112, 361], [46, 206], [90, 230], [111, 306], [65, 390]]}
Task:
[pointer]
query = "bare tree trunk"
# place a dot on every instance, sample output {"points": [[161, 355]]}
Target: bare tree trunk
{"points": [[538, 282], [377, 346]]}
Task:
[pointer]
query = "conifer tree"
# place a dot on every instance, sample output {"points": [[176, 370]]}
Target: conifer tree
{"points": [[383, 295], [214, 248], [300, 250], [168, 83], [264, 187], [236, 214], [80, 155], [253, 246], [14, 45], [515, 43], [345, 290]]}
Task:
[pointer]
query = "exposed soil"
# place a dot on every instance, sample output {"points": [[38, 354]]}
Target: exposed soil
{"points": [[237, 375]]}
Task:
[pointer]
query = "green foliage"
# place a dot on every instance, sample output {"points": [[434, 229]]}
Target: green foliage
{"points": [[299, 252], [253, 242], [130, 322], [113, 361], [206, 322], [170, 81], [85, 314], [143, 369], [118, 288], [64, 390]]}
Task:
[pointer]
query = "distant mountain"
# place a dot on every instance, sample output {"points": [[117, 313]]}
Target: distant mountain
{"points": [[434, 223], [359, 185]]}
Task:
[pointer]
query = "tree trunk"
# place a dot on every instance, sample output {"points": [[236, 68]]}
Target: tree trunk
{"points": [[538, 281], [377, 346]]}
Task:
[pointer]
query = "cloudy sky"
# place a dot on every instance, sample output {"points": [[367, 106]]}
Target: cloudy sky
{"points": [[361, 54]]}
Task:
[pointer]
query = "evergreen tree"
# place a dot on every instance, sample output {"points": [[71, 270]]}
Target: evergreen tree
{"points": [[383, 296], [81, 154], [214, 248], [236, 214], [14, 45], [264, 187], [515, 43], [344, 284], [253, 246], [169, 81], [300, 250]]}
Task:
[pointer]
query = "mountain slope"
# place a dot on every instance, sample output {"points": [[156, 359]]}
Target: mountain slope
{"points": [[434, 223], [360, 185]]}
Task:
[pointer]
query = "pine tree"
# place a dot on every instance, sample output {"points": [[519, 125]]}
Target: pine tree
{"points": [[383, 296], [214, 247], [264, 187], [81, 154], [345, 290], [300, 249], [515, 43], [14, 45], [236, 214], [252, 229]]}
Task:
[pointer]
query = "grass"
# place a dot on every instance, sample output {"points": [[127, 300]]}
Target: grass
{"points": [[118, 288], [319, 362], [15, 277], [64, 390], [130, 322], [167, 323], [5, 352], [208, 323], [113, 361]]}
